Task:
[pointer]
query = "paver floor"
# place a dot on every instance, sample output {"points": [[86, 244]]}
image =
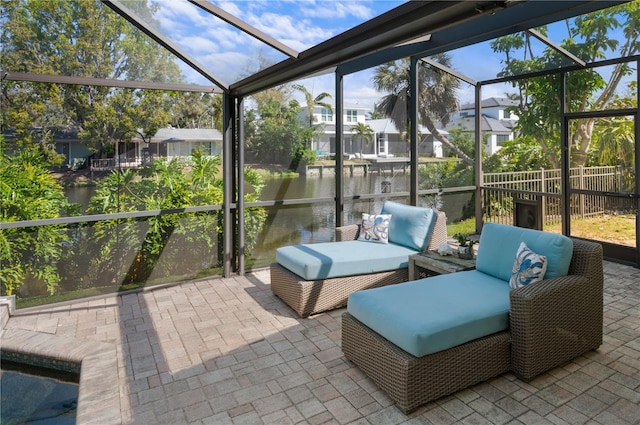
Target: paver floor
{"points": [[227, 351]]}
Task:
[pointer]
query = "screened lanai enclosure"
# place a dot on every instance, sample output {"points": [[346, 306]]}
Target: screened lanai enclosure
{"points": [[302, 116]]}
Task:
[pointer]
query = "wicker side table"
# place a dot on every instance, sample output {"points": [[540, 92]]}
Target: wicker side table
{"points": [[430, 263]]}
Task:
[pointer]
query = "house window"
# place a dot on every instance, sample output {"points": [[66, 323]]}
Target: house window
{"points": [[327, 115], [506, 115], [352, 115], [501, 138]]}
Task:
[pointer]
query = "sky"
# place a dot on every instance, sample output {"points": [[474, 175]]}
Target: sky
{"points": [[231, 55]]}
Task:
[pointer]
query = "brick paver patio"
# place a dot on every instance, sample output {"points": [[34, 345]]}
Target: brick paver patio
{"points": [[227, 351]]}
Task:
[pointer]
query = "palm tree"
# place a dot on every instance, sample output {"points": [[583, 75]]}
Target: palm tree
{"points": [[436, 96], [364, 132], [312, 102], [376, 113]]}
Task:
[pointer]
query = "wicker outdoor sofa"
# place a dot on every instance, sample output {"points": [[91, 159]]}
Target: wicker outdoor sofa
{"points": [[314, 296], [549, 323]]}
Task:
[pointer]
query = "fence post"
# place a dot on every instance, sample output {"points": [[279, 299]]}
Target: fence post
{"points": [[581, 187], [543, 201]]}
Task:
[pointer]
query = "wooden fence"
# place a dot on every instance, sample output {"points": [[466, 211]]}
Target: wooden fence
{"points": [[545, 185]]}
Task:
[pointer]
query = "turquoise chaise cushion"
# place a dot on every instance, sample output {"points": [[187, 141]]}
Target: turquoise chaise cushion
{"points": [[338, 259], [430, 315], [410, 226], [499, 244]]}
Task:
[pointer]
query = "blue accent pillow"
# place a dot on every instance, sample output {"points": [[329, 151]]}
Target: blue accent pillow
{"points": [[411, 226], [528, 267], [375, 228]]}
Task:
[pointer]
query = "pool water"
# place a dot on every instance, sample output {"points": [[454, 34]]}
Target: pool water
{"points": [[33, 395]]}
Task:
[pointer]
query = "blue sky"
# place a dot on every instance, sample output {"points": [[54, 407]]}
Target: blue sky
{"points": [[230, 54]]}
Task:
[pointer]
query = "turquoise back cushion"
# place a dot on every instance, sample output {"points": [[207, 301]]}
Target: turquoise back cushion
{"points": [[410, 226], [499, 244]]}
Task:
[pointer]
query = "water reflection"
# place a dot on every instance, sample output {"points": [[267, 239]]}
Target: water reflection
{"points": [[321, 187]]}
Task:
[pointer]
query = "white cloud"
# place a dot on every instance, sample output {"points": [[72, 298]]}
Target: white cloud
{"points": [[178, 15], [298, 34], [230, 7], [338, 10], [200, 44], [229, 54]]}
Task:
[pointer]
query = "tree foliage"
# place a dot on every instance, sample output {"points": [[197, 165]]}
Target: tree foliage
{"points": [[131, 249], [274, 134], [85, 39], [540, 103], [614, 143], [196, 110], [29, 192], [521, 153]]}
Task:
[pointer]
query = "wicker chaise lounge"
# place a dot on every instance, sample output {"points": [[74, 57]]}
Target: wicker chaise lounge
{"points": [[309, 297], [549, 323]]}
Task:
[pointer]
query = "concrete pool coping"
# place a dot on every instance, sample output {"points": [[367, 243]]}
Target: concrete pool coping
{"points": [[98, 393]]}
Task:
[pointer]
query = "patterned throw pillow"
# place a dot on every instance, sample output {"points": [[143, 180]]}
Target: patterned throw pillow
{"points": [[528, 267], [375, 228]]}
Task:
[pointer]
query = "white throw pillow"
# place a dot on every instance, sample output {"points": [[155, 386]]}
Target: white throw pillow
{"points": [[375, 228], [528, 267]]}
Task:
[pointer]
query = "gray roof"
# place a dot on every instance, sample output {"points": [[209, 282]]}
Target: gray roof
{"points": [[58, 134], [170, 134], [331, 128], [487, 123], [386, 125], [491, 102], [383, 125]]}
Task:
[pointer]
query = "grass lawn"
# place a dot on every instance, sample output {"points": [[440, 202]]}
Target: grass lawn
{"points": [[617, 229], [465, 227]]}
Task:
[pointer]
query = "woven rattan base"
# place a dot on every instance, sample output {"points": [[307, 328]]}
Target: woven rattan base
{"points": [[308, 297], [412, 381]]}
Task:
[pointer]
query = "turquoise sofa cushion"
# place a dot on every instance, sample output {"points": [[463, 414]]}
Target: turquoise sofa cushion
{"points": [[433, 314], [410, 226], [338, 259], [499, 244]]}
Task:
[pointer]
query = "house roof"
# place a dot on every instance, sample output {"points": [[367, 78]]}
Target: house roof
{"points": [[491, 102], [346, 105], [331, 128], [487, 124], [386, 125], [58, 134], [171, 134]]}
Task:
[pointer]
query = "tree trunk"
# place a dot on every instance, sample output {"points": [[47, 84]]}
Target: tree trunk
{"points": [[432, 128]]}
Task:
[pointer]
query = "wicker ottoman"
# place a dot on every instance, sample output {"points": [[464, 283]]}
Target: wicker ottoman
{"points": [[413, 381], [309, 297]]}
